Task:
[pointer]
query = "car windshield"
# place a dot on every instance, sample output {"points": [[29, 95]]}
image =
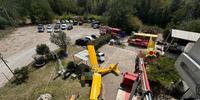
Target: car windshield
{"points": [[40, 27]]}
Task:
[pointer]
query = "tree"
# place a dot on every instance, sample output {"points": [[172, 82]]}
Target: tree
{"points": [[192, 25], [42, 49], [21, 74], [61, 40], [119, 14], [41, 12], [136, 23]]}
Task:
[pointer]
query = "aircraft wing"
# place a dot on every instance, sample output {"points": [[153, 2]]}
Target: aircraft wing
{"points": [[92, 56]]}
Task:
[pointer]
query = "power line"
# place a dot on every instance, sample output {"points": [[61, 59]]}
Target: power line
{"points": [[1, 57]]}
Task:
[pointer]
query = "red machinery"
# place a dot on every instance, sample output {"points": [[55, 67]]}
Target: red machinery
{"points": [[129, 78], [135, 83]]}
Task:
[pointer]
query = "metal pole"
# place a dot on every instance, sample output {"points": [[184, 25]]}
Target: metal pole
{"points": [[7, 66], [169, 45]]}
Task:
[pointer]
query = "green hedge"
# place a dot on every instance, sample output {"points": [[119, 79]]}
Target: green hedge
{"points": [[102, 40]]}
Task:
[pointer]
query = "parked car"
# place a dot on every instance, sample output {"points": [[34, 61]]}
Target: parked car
{"points": [[96, 26], [58, 22], [62, 21], [95, 23], [57, 28], [75, 22], [90, 38], [49, 29], [64, 26], [41, 28], [71, 21], [80, 23], [82, 41], [39, 60], [100, 57], [69, 27], [94, 36], [67, 21]]}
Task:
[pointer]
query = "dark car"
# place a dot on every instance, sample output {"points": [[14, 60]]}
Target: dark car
{"points": [[96, 26], [94, 36], [41, 28], [80, 23], [82, 42], [75, 22], [69, 27], [95, 23]]}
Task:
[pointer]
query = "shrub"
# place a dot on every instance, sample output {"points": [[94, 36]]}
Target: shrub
{"points": [[162, 74], [71, 66], [21, 74], [42, 49], [67, 16], [136, 23], [152, 29], [102, 40], [3, 22]]}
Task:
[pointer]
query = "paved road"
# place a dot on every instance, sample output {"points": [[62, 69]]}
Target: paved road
{"points": [[126, 59], [18, 48]]}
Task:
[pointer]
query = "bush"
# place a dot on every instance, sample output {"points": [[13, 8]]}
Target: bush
{"points": [[71, 66], [42, 49], [102, 40], [21, 74], [67, 16], [3, 22], [41, 12], [152, 29], [162, 74], [136, 23]]}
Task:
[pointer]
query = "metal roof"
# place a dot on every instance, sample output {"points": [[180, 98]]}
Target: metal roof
{"points": [[185, 35]]}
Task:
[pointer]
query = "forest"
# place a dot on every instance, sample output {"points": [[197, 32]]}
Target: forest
{"points": [[129, 15]]}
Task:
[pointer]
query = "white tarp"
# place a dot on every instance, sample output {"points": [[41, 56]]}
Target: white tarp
{"points": [[185, 35], [83, 55]]}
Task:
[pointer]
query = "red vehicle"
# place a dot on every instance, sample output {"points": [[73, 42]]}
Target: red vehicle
{"points": [[109, 30], [135, 85], [141, 39]]}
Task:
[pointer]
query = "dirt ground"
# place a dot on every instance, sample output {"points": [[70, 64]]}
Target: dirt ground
{"points": [[126, 59], [18, 48]]}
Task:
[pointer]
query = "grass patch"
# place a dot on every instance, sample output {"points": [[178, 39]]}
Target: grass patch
{"points": [[41, 81], [162, 75]]}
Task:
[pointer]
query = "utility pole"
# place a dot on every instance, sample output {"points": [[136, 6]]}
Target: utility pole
{"points": [[1, 57]]}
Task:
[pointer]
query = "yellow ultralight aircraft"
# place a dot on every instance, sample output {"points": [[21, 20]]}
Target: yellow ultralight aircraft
{"points": [[98, 72]]}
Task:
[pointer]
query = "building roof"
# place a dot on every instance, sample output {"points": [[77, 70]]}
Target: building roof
{"points": [[185, 35]]}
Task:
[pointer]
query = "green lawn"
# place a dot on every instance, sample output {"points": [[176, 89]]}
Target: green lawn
{"points": [[38, 84]]}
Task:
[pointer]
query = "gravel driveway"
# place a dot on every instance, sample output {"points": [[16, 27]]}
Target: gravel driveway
{"points": [[18, 48]]}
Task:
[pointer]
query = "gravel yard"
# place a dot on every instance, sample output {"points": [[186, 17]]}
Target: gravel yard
{"points": [[18, 48]]}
